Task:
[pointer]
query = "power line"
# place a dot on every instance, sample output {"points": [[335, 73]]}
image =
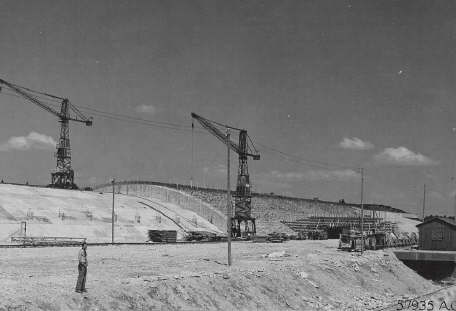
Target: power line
{"points": [[138, 121], [109, 115], [161, 123], [300, 160], [131, 119], [179, 127]]}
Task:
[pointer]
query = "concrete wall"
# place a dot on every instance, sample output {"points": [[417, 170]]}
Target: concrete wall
{"points": [[268, 209]]}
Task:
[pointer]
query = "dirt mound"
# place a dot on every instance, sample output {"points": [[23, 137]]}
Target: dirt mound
{"points": [[296, 275]]}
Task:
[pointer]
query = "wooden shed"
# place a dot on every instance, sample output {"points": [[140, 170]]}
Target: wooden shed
{"points": [[437, 233]]}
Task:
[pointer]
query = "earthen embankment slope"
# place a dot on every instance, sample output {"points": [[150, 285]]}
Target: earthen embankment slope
{"points": [[86, 214]]}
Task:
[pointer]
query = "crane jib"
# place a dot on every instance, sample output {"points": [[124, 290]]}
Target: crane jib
{"points": [[64, 176], [242, 224]]}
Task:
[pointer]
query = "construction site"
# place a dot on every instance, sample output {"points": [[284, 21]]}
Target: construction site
{"points": [[280, 266], [172, 237], [213, 162]]}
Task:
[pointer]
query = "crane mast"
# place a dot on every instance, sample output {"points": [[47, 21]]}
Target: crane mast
{"points": [[63, 176], [243, 224]]}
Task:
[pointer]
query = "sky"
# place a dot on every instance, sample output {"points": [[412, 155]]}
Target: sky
{"points": [[322, 87]]}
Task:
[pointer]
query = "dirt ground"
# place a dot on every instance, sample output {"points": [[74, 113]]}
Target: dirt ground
{"points": [[295, 275]]}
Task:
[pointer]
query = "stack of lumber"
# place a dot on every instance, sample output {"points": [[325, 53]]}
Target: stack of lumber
{"points": [[47, 241], [260, 239], [166, 236]]}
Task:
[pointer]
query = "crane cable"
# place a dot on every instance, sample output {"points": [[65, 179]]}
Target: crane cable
{"points": [[36, 92], [300, 160], [178, 127]]}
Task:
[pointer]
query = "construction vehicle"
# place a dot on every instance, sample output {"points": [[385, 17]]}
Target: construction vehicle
{"points": [[242, 224], [276, 237], [63, 176], [351, 240]]}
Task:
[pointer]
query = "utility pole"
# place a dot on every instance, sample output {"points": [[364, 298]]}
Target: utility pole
{"points": [[192, 168], [454, 210], [362, 211], [228, 196], [424, 199], [112, 218]]}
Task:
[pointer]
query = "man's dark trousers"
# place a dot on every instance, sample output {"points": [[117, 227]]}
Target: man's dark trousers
{"points": [[80, 285]]}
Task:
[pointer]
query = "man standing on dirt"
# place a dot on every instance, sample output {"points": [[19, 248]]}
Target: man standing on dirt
{"points": [[82, 268]]}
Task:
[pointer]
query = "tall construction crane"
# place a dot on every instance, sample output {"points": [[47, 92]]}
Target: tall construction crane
{"points": [[63, 176], [242, 224]]}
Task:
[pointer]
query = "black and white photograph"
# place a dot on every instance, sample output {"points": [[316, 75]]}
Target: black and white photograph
{"points": [[227, 155]]}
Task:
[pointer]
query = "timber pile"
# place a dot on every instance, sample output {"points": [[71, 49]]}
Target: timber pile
{"points": [[202, 236], [167, 236], [315, 223], [47, 241], [260, 239]]}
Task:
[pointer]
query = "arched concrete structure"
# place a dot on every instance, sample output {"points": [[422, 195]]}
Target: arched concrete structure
{"points": [[161, 191]]}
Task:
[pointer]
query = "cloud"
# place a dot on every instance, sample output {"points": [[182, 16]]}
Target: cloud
{"points": [[318, 175], [32, 140], [403, 156], [149, 109], [355, 143]]}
